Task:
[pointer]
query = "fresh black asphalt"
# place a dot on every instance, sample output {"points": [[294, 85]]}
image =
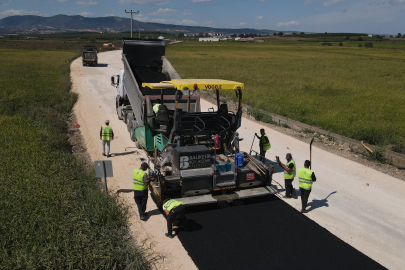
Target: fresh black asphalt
{"points": [[264, 233]]}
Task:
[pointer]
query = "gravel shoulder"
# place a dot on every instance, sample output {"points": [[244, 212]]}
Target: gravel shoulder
{"points": [[351, 199]]}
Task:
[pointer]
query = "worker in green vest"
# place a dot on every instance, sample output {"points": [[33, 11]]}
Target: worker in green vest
{"points": [[106, 136], [141, 182], [306, 177], [156, 106], [174, 209], [264, 145], [289, 174]]}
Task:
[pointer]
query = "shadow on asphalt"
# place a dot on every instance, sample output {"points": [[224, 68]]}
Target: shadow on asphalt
{"points": [[319, 203]]}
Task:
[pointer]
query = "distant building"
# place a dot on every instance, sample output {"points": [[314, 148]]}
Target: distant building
{"points": [[208, 39], [161, 37], [237, 38], [370, 35]]}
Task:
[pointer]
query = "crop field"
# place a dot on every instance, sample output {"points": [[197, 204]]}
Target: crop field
{"points": [[53, 215], [358, 92]]}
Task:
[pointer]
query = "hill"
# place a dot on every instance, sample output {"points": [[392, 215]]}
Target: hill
{"points": [[29, 24]]}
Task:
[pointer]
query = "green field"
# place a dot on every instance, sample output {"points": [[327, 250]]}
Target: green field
{"points": [[53, 215], [354, 91]]}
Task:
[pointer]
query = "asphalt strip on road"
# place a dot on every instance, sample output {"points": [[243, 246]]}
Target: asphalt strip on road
{"points": [[264, 233]]}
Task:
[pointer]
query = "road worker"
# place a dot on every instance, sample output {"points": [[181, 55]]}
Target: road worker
{"points": [[141, 182], [264, 144], [156, 106], [289, 174], [106, 136], [174, 209], [306, 177]]}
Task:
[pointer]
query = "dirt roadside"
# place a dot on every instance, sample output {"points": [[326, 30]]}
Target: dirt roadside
{"points": [[360, 205]]}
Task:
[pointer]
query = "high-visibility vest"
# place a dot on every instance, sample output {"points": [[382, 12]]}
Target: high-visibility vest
{"points": [[266, 146], [106, 133], [170, 204], [291, 174], [156, 108], [139, 185], [305, 177]]}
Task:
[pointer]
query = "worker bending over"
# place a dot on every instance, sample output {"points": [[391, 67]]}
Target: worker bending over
{"points": [[289, 174], [141, 182], [264, 145], [174, 209], [306, 177]]}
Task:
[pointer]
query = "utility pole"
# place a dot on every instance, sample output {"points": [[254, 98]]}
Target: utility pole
{"points": [[139, 28], [135, 12]]}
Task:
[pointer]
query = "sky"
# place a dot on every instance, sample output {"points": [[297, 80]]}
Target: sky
{"points": [[332, 16]]}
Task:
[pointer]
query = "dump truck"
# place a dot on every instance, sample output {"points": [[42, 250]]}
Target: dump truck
{"points": [[194, 154], [89, 56]]}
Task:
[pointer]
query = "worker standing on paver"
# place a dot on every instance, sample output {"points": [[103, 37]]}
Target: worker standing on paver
{"points": [[264, 144], [306, 177], [141, 182], [174, 209], [289, 174], [106, 136]]}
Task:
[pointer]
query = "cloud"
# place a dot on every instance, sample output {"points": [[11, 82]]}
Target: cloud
{"points": [[144, 2], [109, 15], [390, 2], [331, 2], [62, 1], [13, 12], [141, 17], [164, 12], [327, 3], [173, 21], [86, 14], [344, 11], [287, 24], [242, 23], [209, 23], [86, 3], [188, 13], [200, 1], [4, 2], [259, 18]]}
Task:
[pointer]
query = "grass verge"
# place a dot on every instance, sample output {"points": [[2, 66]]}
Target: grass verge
{"points": [[53, 215], [352, 91]]}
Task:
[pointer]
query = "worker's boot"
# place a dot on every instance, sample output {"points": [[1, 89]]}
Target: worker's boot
{"points": [[170, 235]]}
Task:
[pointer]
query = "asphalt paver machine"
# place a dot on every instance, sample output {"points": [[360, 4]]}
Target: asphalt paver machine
{"points": [[195, 154]]}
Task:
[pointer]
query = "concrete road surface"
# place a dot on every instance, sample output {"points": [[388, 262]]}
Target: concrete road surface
{"points": [[361, 206]]}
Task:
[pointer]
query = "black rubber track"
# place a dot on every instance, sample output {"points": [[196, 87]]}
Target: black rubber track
{"points": [[264, 233]]}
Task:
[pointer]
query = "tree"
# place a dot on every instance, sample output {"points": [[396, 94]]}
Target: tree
{"points": [[200, 35], [280, 34], [360, 39], [180, 35], [347, 37], [207, 35], [302, 33], [369, 45], [399, 35], [341, 43], [274, 34]]}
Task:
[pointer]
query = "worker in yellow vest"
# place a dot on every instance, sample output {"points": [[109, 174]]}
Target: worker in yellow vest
{"points": [[174, 209], [264, 145], [289, 175], [156, 106], [106, 136], [306, 177], [141, 182]]}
